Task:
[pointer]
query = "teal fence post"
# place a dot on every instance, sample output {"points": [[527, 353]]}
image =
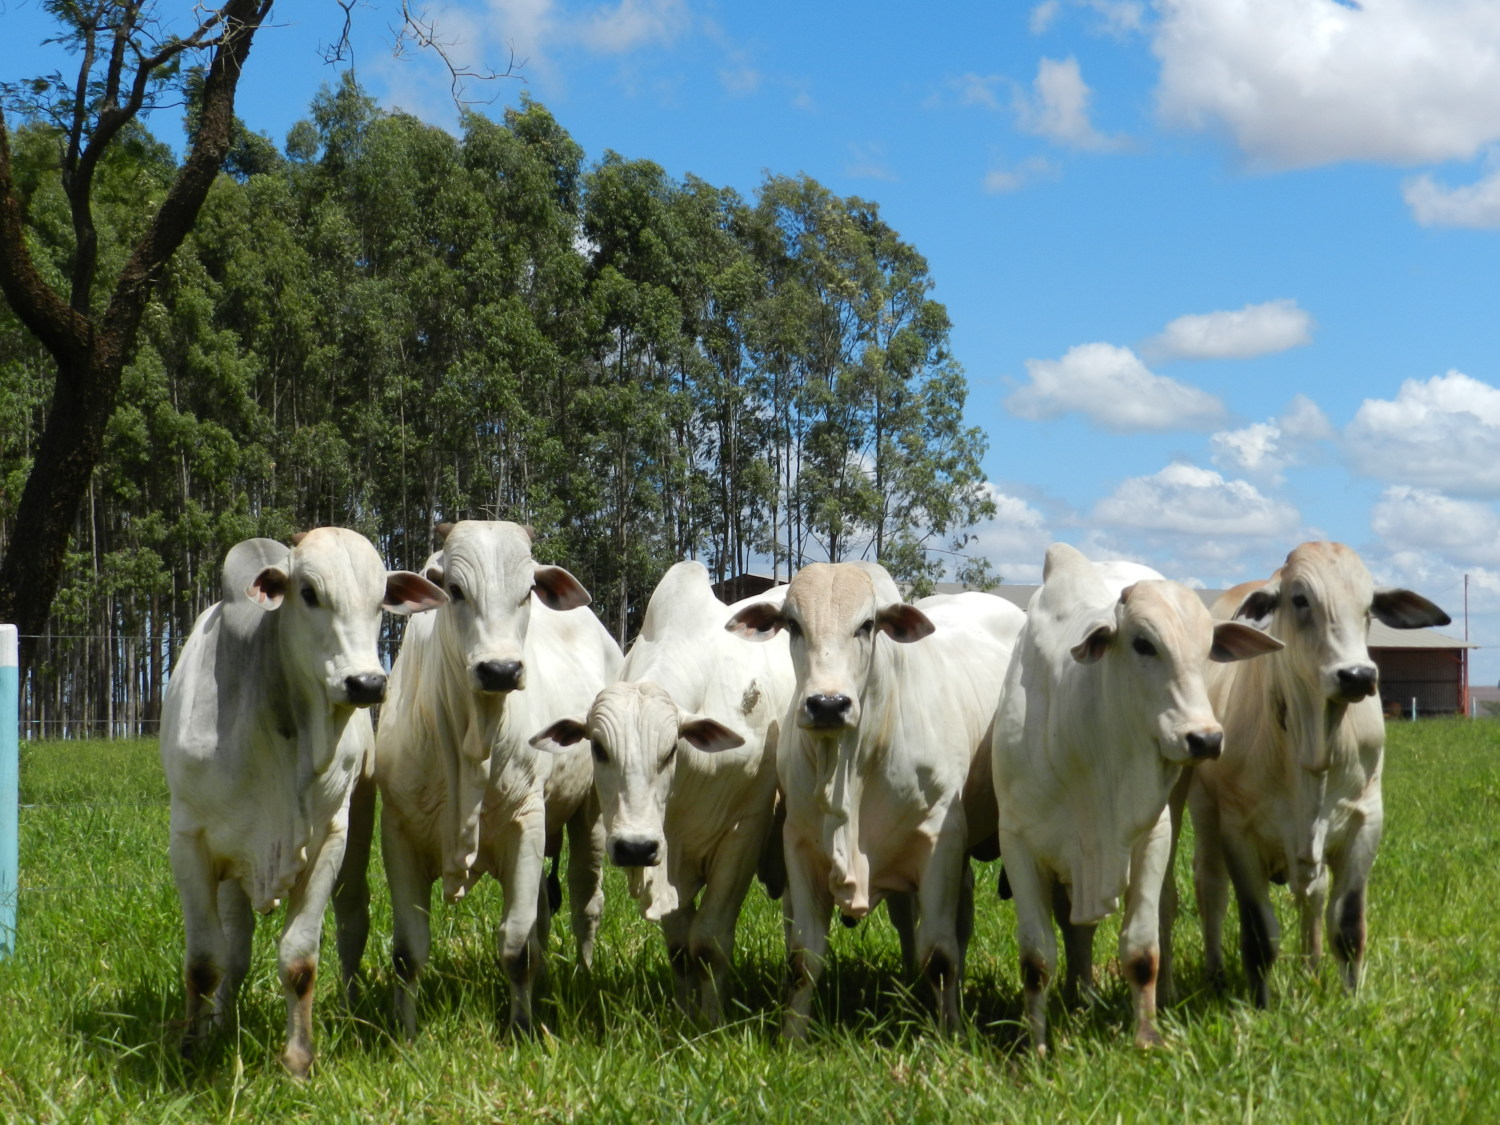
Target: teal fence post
{"points": [[10, 785]]}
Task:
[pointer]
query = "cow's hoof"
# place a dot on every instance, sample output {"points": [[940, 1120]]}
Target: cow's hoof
{"points": [[297, 1059]]}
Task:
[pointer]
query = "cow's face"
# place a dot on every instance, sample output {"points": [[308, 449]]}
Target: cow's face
{"points": [[633, 731], [487, 571], [329, 598], [1320, 605], [1159, 645], [833, 618]]}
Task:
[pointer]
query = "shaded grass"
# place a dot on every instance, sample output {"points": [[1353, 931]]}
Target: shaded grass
{"points": [[91, 1002]]}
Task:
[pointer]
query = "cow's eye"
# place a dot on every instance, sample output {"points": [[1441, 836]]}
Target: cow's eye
{"points": [[1144, 647], [864, 631], [672, 753], [793, 630], [526, 597], [310, 597], [597, 749], [456, 592], [1300, 603]]}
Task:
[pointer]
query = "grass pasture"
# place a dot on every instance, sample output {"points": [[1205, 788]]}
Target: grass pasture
{"points": [[90, 1002]]}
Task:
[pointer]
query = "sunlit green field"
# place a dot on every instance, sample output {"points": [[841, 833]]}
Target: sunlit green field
{"points": [[90, 1001]]}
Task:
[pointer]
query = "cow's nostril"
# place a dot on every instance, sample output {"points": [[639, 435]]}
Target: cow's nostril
{"points": [[1357, 682], [500, 675], [366, 689], [1205, 745], [828, 710], [633, 853]]}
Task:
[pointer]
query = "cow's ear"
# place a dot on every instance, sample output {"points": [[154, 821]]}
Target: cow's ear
{"points": [[1233, 641], [561, 735], [558, 589], [1259, 605], [904, 623], [1095, 644], [708, 735], [758, 622], [268, 590], [407, 593], [1402, 609]]}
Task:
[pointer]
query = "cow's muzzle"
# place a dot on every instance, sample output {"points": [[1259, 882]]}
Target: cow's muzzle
{"points": [[500, 675], [1359, 681], [634, 852], [826, 712], [366, 689], [1205, 745]]}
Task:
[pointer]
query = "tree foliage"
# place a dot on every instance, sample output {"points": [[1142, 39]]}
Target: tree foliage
{"points": [[384, 325]]}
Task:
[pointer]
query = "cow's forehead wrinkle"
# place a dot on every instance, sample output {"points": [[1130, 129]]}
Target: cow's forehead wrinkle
{"points": [[338, 564], [623, 705], [824, 594], [1328, 576]]}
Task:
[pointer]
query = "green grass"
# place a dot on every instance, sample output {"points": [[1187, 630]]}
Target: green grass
{"points": [[90, 1002]]}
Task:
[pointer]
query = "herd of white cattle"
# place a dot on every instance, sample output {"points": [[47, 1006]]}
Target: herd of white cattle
{"points": [[845, 746]]}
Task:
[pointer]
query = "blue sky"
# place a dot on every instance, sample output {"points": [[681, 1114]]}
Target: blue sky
{"points": [[1222, 274]]}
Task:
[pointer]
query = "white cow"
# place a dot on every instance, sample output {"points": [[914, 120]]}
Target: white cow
{"points": [[263, 733], [463, 792], [892, 705], [1296, 795], [1104, 702], [684, 750]]}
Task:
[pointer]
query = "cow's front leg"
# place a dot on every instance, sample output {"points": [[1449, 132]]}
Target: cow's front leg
{"points": [[1078, 949], [810, 909], [297, 963], [585, 875], [676, 928], [1031, 889], [728, 878], [520, 945], [410, 884], [901, 908], [1260, 933], [1140, 951], [1346, 903], [238, 920], [205, 956], [938, 951], [351, 891]]}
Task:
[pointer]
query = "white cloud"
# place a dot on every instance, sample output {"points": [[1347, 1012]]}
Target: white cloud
{"points": [[1015, 541], [1116, 17], [1265, 449], [1000, 180], [740, 80], [868, 162], [1441, 433], [1058, 107], [1434, 205], [1043, 15], [978, 89], [1274, 326], [1115, 390], [1183, 499], [1420, 520], [631, 24], [1299, 83]]}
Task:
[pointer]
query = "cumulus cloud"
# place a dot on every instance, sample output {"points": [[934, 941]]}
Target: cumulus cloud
{"points": [[1183, 499], [868, 162], [1058, 107], [1441, 433], [1266, 449], [1015, 541], [1422, 520], [1299, 83], [1476, 206], [1115, 390], [1274, 326], [536, 28]]}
